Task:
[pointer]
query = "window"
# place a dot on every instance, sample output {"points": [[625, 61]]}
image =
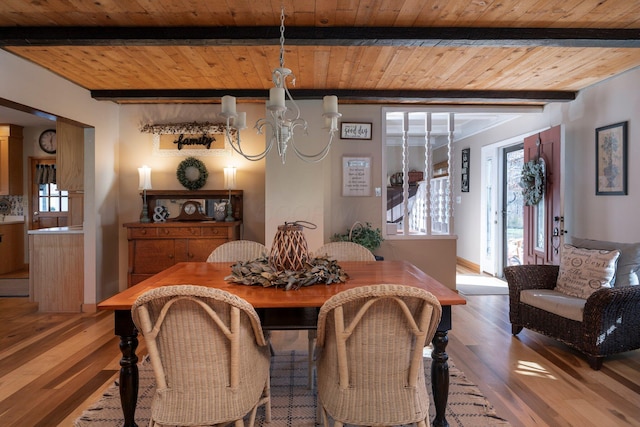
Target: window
{"points": [[50, 199], [418, 187]]}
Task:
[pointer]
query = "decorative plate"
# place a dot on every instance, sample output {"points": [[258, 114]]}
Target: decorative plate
{"points": [[5, 206]]}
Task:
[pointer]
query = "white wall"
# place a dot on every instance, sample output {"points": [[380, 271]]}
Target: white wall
{"points": [[586, 215]]}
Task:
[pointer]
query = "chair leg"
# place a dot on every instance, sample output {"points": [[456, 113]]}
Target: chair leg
{"points": [[267, 407], [595, 362], [267, 337], [312, 333]]}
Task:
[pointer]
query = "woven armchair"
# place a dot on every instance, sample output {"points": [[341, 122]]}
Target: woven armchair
{"points": [[237, 250], [345, 251], [369, 355], [208, 354], [611, 317]]}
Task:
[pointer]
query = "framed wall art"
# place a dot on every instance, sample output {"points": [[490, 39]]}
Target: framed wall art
{"points": [[464, 170], [355, 130], [611, 160], [356, 176]]}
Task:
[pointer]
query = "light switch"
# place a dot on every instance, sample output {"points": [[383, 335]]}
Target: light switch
{"points": [[378, 192], [458, 199]]}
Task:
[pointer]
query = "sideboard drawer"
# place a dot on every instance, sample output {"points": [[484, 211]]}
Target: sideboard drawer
{"points": [[179, 232], [141, 233], [215, 231]]}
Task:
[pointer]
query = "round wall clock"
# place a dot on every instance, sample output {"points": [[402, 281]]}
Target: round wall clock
{"points": [[48, 141]]}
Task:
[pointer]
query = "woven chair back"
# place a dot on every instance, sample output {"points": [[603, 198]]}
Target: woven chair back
{"points": [[208, 354], [345, 251], [238, 250], [370, 362]]}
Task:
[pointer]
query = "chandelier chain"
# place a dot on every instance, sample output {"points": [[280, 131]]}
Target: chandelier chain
{"points": [[282, 37]]}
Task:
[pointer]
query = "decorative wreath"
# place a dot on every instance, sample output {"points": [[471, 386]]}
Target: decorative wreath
{"points": [[181, 173], [532, 182]]}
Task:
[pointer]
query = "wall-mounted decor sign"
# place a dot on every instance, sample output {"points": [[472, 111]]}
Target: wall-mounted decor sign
{"points": [[355, 130], [611, 160], [356, 176], [188, 139], [464, 169]]}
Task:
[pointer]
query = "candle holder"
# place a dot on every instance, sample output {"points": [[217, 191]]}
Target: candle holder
{"points": [[230, 183], [144, 175]]}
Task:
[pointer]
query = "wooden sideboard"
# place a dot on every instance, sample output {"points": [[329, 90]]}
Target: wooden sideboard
{"points": [[154, 247]]}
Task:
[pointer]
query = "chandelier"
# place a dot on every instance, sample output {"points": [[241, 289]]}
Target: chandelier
{"points": [[281, 120]]}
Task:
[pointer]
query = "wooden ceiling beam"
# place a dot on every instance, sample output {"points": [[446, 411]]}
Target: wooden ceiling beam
{"points": [[377, 96], [326, 36]]}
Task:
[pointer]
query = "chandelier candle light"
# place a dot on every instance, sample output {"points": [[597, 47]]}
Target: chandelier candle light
{"points": [[144, 175], [282, 120], [230, 184]]}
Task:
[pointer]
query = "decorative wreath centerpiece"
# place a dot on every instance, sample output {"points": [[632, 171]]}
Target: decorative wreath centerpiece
{"points": [[532, 181], [185, 173]]}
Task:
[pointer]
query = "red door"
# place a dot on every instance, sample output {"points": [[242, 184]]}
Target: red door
{"points": [[543, 222]]}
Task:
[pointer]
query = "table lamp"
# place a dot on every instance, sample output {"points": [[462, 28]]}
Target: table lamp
{"points": [[144, 174]]}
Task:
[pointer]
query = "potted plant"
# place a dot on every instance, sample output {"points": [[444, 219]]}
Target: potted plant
{"points": [[362, 234]]}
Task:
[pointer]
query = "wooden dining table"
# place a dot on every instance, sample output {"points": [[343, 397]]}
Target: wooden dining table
{"points": [[269, 299]]}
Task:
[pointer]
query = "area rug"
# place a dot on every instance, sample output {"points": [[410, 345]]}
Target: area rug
{"points": [[292, 403]]}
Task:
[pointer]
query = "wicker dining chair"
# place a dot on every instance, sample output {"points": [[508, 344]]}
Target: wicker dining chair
{"points": [[345, 251], [237, 250], [369, 355], [208, 353], [339, 251]]}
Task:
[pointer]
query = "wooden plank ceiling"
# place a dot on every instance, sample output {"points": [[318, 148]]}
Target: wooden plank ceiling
{"points": [[393, 51]]}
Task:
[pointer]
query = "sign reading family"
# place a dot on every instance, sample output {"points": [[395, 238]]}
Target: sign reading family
{"points": [[188, 138], [355, 130], [204, 140]]}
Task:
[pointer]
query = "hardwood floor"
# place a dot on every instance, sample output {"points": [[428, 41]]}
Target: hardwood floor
{"points": [[54, 365]]}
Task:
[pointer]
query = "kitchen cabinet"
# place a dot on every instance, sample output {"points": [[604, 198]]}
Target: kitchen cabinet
{"points": [[154, 247], [70, 156], [11, 160], [56, 269], [11, 247]]}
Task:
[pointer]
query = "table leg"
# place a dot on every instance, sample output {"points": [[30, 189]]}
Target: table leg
{"points": [[440, 368], [129, 378]]}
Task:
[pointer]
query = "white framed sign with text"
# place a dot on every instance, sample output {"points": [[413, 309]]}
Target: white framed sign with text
{"points": [[356, 176]]}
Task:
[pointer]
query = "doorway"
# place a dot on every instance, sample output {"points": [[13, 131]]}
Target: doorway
{"points": [[512, 206], [502, 215]]}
